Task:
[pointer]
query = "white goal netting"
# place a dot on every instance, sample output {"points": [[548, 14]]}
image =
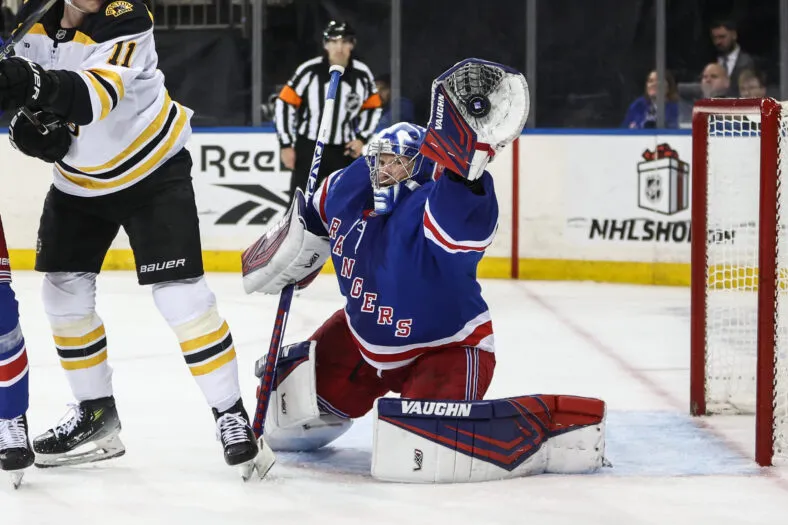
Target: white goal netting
{"points": [[732, 271]]}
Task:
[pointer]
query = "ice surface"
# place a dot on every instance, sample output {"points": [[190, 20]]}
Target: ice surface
{"points": [[628, 345]]}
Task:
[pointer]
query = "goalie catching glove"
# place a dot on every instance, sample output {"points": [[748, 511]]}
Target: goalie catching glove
{"points": [[478, 108], [288, 253]]}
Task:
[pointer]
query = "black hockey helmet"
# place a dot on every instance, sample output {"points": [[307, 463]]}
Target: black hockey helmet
{"points": [[339, 30]]}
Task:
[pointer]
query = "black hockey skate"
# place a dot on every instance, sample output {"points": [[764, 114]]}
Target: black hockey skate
{"points": [[89, 435], [240, 447], [16, 454]]}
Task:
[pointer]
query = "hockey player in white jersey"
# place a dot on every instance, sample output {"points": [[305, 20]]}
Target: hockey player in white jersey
{"points": [[116, 140], [405, 228]]}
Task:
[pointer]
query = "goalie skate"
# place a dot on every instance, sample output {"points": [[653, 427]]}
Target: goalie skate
{"points": [[15, 451], [91, 434]]}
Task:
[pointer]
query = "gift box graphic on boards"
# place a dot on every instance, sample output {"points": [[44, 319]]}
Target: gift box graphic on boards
{"points": [[663, 181]]}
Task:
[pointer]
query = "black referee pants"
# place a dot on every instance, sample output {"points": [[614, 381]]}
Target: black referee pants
{"points": [[334, 158]]}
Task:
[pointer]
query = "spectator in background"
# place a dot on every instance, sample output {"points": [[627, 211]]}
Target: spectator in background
{"points": [[300, 103], [752, 84], [714, 82], [405, 104], [729, 53], [642, 113]]}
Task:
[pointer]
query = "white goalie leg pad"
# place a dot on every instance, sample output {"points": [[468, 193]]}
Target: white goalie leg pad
{"points": [[580, 451], [293, 421], [288, 253], [431, 441]]}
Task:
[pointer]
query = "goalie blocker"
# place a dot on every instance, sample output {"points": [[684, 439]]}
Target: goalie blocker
{"points": [[288, 253], [442, 441]]}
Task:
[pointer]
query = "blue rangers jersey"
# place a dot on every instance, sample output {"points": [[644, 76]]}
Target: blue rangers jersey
{"points": [[409, 277]]}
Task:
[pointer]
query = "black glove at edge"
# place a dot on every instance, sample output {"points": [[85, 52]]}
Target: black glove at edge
{"points": [[25, 83], [51, 147]]}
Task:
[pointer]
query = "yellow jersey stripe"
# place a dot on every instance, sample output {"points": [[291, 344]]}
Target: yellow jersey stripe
{"points": [[85, 363], [82, 38], [217, 363], [81, 340], [104, 99], [113, 78], [207, 339], [37, 29], [144, 168], [79, 36], [151, 131]]}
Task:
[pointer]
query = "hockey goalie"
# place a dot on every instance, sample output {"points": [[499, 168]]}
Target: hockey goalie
{"points": [[406, 227]]}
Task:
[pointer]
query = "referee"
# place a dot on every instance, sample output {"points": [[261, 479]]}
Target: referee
{"points": [[357, 109]]}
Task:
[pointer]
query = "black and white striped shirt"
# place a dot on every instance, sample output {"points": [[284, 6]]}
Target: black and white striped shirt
{"points": [[299, 106]]}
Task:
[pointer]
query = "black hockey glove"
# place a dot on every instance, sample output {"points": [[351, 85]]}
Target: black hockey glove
{"points": [[25, 83], [51, 147]]}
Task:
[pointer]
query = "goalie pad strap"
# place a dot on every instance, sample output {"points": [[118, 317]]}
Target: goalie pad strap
{"points": [[288, 253], [431, 441]]}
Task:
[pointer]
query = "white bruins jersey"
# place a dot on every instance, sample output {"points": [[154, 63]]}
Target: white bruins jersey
{"points": [[134, 126]]}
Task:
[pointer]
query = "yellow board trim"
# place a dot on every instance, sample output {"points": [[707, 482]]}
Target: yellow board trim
{"points": [[81, 340], [207, 339], [665, 274], [671, 274], [85, 363], [217, 363]]}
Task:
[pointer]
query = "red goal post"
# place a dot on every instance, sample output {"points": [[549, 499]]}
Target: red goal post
{"points": [[739, 290]]}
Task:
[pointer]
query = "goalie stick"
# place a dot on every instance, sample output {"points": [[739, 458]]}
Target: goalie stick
{"points": [[8, 48], [265, 366]]}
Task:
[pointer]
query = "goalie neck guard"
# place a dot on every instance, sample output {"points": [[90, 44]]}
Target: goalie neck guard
{"points": [[394, 161]]}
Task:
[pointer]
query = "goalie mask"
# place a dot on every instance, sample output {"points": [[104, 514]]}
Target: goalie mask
{"points": [[395, 164]]}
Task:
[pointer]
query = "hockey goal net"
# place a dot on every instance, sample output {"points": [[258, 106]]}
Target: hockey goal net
{"points": [[739, 331]]}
